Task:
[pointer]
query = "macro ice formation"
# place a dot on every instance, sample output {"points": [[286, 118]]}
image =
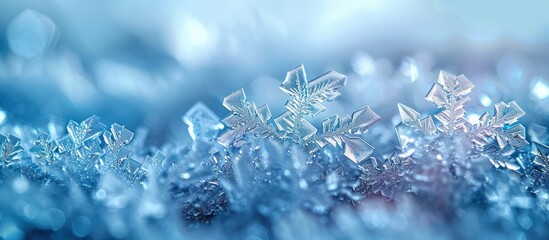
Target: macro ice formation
{"points": [[292, 124], [282, 178]]}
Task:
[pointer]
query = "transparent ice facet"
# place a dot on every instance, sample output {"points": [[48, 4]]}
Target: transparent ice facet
{"points": [[30, 34], [117, 154], [244, 118], [502, 127], [449, 93], [83, 139], [156, 162], [10, 147], [338, 131], [408, 115], [357, 149], [307, 101], [507, 113], [542, 154], [291, 125], [411, 118], [203, 123], [43, 148]]}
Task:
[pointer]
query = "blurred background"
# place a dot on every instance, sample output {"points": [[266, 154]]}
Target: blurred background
{"points": [[142, 63]]}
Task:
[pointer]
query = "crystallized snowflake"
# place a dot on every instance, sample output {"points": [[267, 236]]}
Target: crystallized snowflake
{"points": [[10, 148], [454, 158], [449, 93], [541, 160], [292, 125], [384, 177], [43, 148]]}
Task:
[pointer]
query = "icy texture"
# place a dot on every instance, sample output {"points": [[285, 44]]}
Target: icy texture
{"points": [[83, 139], [307, 101], [103, 182], [385, 177], [203, 123], [292, 126], [541, 170], [411, 118], [502, 127], [43, 148], [117, 155], [245, 118], [338, 131], [10, 148], [449, 93]]}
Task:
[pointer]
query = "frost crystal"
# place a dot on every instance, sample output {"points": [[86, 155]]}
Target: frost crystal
{"points": [[117, 155], [502, 127], [385, 176], [203, 123], [83, 139], [307, 101], [411, 118], [245, 118], [449, 93], [43, 148], [339, 131], [10, 147], [541, 171], [292, 126]]}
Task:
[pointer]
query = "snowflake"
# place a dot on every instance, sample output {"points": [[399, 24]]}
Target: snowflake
{"points": [[308, 96], [83, 140], [117, 155], [11, 148], [449, 93], [43, 148], [385, 176], [541, 161]]}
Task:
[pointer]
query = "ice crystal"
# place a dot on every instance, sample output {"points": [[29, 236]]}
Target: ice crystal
{"points": [[541, 170], [83, 139], [292, 126], [117, 155], [449, 93], [411, 118], [307, 101], [385, 176], [11, 148], [203, 123], [338, 131], [43, 148], [245, 118], [502, 127]]}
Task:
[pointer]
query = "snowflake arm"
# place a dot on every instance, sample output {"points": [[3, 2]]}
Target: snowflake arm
{"points": [[338, 131], [307, 101], [502, 127], [83, 139], [411, 118], [245, 118], [43, 148], [117, 153], [449, 93], [10, 148]]}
